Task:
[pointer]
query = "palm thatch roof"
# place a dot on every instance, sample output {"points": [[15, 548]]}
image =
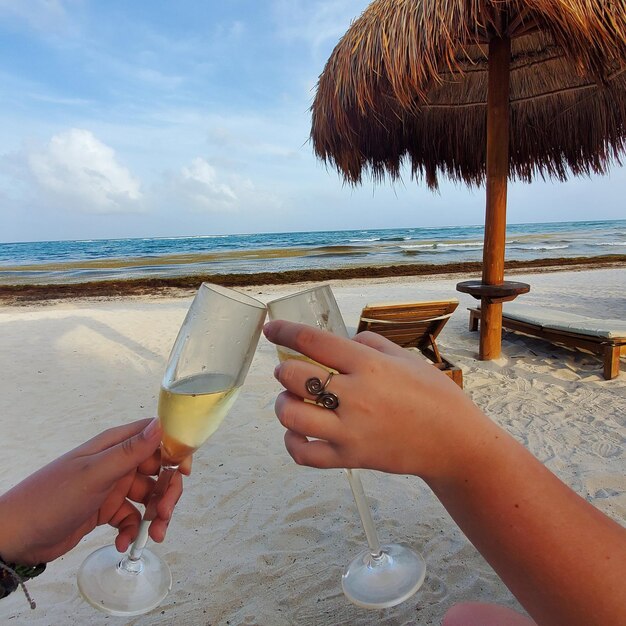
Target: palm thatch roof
{"points": [[408, 81]]}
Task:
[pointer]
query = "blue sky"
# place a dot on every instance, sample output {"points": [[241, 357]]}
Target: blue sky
{"points": [[137, 119]]}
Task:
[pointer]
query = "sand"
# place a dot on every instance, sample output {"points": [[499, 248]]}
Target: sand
{"points": [[255, 538]]}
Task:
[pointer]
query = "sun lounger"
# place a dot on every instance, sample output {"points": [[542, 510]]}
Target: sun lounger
{"points": [[413, 325], [603, 337]]}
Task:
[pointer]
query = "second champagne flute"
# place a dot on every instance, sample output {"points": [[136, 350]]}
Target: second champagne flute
{"points": [[204, 374], [383, 575]]}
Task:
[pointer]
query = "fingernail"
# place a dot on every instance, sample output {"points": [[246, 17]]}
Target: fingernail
{"points": [[266, 329], [276, 371], [151, 429]]}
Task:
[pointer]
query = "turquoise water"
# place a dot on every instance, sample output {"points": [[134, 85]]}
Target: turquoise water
{"points": [[76, 261]]}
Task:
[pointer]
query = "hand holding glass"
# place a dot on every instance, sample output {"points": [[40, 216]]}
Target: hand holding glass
{"points": [[205, 371], [381, 576]]}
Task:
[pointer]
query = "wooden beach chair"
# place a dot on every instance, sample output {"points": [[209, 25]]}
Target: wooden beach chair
{"points": [[414, 325], [605, 338]]}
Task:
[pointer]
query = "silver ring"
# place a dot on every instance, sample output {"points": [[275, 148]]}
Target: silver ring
{"points": [[323, 398]]}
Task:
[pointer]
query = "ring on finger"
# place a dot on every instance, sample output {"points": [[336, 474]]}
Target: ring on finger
{"points": [[323, 398]]}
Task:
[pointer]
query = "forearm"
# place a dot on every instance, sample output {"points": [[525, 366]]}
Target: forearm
{"points": [[563, 559]]}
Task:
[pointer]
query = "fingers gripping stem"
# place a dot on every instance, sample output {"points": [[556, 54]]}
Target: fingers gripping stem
{"points": [[151, 511]]}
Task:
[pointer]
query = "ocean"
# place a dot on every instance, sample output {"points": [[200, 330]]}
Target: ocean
{"points": [[53, 262]]}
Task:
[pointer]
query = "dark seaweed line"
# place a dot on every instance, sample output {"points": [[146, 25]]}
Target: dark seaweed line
{"points": [[13, 294]]}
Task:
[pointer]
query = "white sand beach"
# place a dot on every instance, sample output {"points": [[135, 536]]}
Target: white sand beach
{"points": [[256, 539]]}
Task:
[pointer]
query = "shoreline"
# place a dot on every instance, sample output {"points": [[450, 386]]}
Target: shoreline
{"points": [[166, 287]]}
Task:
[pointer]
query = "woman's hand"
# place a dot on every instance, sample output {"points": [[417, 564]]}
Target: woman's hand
{"points": [[49, 512], [563, 559], [397, 413]]}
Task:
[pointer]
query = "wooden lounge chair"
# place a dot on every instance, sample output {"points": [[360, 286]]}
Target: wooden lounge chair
{"points": [[413, 325], [605, 338]]}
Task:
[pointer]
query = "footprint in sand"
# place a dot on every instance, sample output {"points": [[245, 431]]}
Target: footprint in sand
{"points": [[606, 493], [606, 449]]}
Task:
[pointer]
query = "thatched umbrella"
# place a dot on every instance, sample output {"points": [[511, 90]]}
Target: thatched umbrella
{"points": [[478, 91]]}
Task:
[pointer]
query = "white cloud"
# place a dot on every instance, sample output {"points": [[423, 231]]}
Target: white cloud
{"points": [[198, 184], [77, 171], [201, 188]]}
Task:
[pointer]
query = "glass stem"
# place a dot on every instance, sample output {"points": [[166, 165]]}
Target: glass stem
{"points": [[364, 512], [151, 511]]}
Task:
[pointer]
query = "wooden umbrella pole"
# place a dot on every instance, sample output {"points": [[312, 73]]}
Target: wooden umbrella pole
{"points": [[497, 175]]}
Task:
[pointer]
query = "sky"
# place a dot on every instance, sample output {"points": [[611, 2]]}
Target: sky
{"points": [[192, 117]]}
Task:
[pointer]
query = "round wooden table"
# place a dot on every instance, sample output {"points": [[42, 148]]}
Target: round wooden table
{"points": [[492, 294]]}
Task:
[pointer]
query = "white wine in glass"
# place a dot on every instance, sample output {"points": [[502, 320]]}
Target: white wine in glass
{"points": [[204, 374], [191, 410], [383, 575]]}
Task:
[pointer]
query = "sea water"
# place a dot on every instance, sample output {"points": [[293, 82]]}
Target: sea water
{"points": [[107, 259]]}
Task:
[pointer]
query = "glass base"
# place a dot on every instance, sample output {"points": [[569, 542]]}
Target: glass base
{"points": [[378, 583], [110, 587]]}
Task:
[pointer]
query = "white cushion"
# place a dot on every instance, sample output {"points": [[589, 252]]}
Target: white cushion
{"points": [[553, 319]]}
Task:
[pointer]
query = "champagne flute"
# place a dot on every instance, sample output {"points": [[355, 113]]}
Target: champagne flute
{"points": [[383, 575], [204, 374]]}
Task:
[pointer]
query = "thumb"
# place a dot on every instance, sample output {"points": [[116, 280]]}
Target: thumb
{"points": [[129, 453]]}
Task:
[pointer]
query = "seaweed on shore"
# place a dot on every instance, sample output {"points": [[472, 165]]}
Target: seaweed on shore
{"points": [[15, 294]]}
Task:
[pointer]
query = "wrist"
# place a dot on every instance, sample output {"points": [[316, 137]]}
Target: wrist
{"points": [[467, 452], [19, 573], [15, 566], [12, 576], [10, 552], [12, 549], [7, 533]]}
